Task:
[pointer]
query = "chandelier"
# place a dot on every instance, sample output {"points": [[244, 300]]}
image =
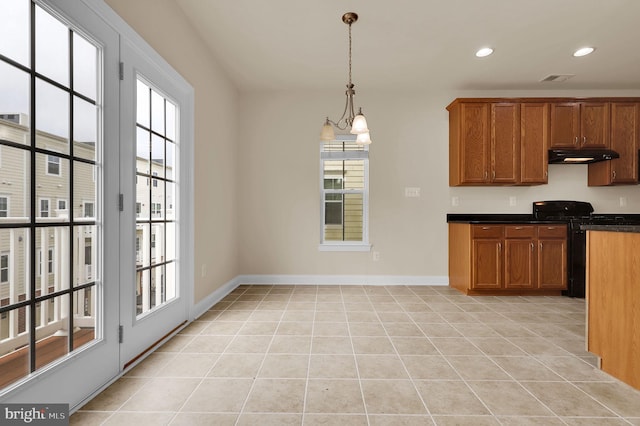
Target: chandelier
{"points": [[356, 122]]}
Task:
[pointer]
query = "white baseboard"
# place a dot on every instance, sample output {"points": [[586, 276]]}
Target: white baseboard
{"points": [[343, 279], [205, 304]]}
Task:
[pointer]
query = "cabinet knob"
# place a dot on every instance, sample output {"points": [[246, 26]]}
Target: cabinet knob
{"points": [[519, 227], [551, 228], [486, 228]]}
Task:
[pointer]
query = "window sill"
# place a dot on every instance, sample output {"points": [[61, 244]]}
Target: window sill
{"points": [[345, 247]]}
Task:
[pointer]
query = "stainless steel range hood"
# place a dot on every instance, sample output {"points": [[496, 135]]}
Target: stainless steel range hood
{"points": [[580, 156]]}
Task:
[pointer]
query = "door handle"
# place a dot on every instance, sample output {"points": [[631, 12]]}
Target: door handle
{"points": [[584, 140], [541, 246], [499, 247], [519, 227], [614, 174], [576, 142]]}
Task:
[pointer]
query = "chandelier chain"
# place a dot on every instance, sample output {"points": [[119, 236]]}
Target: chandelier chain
{"points": [[349, 55]]}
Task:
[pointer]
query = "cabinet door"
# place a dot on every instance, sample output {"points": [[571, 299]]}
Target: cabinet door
{"points": [[505, 142], [474, 141], [565, 124], [552, 264], [594, 125], [487, 264], [534, 142], [519, 263]]}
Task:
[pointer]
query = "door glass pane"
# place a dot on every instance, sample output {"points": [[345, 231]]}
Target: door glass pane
{"points": [[52, 47], [14, 31], [49, 250], [155, 199]]}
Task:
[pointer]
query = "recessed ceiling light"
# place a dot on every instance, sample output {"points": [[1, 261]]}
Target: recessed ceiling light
{"points": [[485, 51], [584, 51]]}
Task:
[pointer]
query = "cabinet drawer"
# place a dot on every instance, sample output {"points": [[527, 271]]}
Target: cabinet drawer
{"points": [[487, 231], [520, 231], [552, 231]]}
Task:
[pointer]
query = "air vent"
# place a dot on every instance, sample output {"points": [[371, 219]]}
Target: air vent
{"points": [[557, 78]]}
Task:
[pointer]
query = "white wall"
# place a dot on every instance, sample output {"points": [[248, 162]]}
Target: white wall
{"points": [[279, 201]]}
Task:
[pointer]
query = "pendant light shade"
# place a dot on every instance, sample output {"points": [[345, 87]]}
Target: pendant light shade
{"points": [[359, 125], [355, 123], [363, 139]]}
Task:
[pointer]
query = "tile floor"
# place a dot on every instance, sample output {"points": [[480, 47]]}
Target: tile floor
{"points": [[360, 355]]}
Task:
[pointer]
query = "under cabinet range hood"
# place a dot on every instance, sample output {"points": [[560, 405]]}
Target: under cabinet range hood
{"points": [[580, 156]]}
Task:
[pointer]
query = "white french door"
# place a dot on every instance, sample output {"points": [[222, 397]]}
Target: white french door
{"points": [[155, 297]]}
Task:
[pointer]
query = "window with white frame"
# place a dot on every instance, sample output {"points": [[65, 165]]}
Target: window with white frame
{"points": [[62, 204], [4, 267], [44, 207], [87, 209], [53, 165], [4, 206], [50, 262], [344, 188]]}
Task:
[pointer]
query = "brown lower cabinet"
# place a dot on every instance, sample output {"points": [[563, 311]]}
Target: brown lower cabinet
{"points": [[508, 259]]}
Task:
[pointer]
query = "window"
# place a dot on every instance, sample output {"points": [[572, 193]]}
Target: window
{"points": [[155, 181], [87, 251], [4, 206], [50, 262], [138, 208], [4, 268], [87, 209], [156, 209], [53, 165], [344, 194], [62, 204], [44, 207]]}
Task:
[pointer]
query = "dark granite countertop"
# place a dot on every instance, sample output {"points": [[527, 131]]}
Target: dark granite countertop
{"points": [[611, 228], [497, 218]]}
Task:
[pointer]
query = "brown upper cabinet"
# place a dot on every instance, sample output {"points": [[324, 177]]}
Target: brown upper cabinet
{"points": [[625, 129], [577, 125]]}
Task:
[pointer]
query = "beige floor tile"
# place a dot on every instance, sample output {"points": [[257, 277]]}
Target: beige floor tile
{"points": [[202, 419], [413, 346], [265, 315], [249, 344], [161, 395], [223, 328], [330, 329], [333, 366], [400, 420], [404, 329], [372, 345], [276, 396], [334, 397], [380, 367], [466, 420], [218, 396], [359, 306], [455, 346], [88, 418], [530, 421], [538, 346], [525, 368], [394, 317], [366, 329], [362, 316], [176, 344], [633, 420], [490, 317], [271, 305], [415, 307], [331, 345], [439, 330], [299, 315], [444, 307], [595, 421], [291, 344], [127, 419], [335, 420], [458, 317], [496, 346], [194, 328], [237, 365], [392, 397], [115, 395], [151, 365], [381, 299], [329, 298], [429, 367], [207, 344], [238, 311], [189, 365], [450, 397], [268, 419], [284, 366], [617, 396], [255, 328], [475, 330], [295, 328], [573, 369], [329, 306], [508, 398], [477, 368], [387, 307], [330, 316]]}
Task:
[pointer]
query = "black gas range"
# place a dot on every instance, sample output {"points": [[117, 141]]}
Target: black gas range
{"points": [[574, 214]]}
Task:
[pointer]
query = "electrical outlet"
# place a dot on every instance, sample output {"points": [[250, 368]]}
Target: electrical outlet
{"points": [[455, 201], [623, 201], [376, 256], [203, 270], [412, 192], [512, 201]]}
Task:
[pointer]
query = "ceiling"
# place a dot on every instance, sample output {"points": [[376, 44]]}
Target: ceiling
{"points": [[422, 44]]}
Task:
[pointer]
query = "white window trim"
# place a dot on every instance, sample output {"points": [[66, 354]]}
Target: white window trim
{"points": [[46, 166], [8, 204], [40, 200], [3, 254], [66, 203], [363, 245], [84, 206]]}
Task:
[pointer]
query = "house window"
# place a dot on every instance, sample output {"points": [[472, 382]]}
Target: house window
{"points": [[155, 181], [4, 206], [4, 268], [44, 207], [62, 204], [87, 251], [138, 209], [156, 209], [53, 165], [87, 208], [344, 194], [50, 262]]}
